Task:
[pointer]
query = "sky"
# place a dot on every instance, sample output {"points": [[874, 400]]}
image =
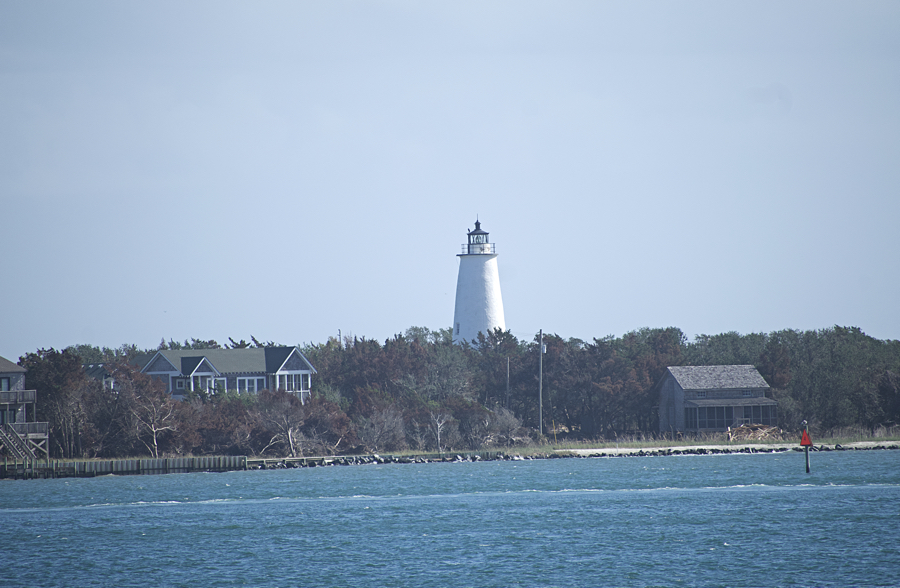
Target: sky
{"points": [[292, 170]]}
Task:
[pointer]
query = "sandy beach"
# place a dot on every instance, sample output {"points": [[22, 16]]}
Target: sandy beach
{"points": [[733, 448]]}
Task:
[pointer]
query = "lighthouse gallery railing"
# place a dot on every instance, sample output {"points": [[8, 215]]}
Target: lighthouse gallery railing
{"points": [[479, 248]]}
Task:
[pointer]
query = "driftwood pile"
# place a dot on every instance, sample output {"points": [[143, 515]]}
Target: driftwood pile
{"points": [[753, 433]]}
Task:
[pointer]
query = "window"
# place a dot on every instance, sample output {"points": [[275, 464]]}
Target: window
{"points": [[251, 384], [293, 382], [289, 382], [708, 417], [4, 384], [179, 384], [690, 418], [746, 393], [701, 394]]}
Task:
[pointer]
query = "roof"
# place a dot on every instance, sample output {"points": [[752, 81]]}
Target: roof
{"points": [[478, 230], [97, 371], [190, 364], [717, 377], [8, 367], [230, 361]]}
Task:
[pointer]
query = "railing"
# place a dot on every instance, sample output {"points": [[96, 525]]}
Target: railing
{"points": [[11, 442], [17, 396], [14, 442], [31, 428], [479, 248]]}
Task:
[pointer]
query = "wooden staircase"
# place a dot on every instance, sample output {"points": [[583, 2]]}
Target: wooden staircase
{"points": [[14, 444]]}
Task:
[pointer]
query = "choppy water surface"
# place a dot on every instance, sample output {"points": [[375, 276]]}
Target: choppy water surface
{"points": [[719, 520]]}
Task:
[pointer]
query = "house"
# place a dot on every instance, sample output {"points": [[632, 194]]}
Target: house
{"points": [[99, 372], [12, 376], [18, 437], [699, 399], [241, 370]]}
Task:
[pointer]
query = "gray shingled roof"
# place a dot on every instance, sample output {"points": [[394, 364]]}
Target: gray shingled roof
{"points": [[97, 371], [8, 367], [231, 361], [189, 364], [722, 377]]}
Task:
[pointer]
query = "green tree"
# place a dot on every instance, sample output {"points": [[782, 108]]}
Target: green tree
{"points": [[491, 362], [729, 348]]}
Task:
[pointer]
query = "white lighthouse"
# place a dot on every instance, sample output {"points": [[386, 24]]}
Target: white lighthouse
{"points": [[479, 306]]}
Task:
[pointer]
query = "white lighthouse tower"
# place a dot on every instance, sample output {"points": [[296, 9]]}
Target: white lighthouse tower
{"points": [[479, 306]]}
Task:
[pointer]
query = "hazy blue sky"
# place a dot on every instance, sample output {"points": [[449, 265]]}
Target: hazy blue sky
{"points": [[288, 169]]}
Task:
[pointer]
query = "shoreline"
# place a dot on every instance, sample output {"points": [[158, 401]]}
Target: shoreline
{"points": [[726, 449], [494, 455], [157, 466]]}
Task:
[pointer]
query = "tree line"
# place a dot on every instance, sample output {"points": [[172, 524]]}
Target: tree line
{"points": [[418, 390]]}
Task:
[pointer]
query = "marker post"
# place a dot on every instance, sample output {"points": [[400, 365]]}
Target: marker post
{"points": [[805, 442]]}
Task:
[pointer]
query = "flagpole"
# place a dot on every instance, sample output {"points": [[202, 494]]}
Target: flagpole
{"points": [[541, 385]]}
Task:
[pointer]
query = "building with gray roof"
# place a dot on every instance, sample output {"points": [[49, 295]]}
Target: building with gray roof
{"points": [[699, 399], [242, 370], [12, 376], [19, 437]]}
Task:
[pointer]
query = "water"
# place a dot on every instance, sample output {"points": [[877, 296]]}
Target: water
{"points": [[719, 520]]}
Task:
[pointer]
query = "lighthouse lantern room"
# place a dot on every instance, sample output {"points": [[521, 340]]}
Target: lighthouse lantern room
{"points": [[478, 242]]}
